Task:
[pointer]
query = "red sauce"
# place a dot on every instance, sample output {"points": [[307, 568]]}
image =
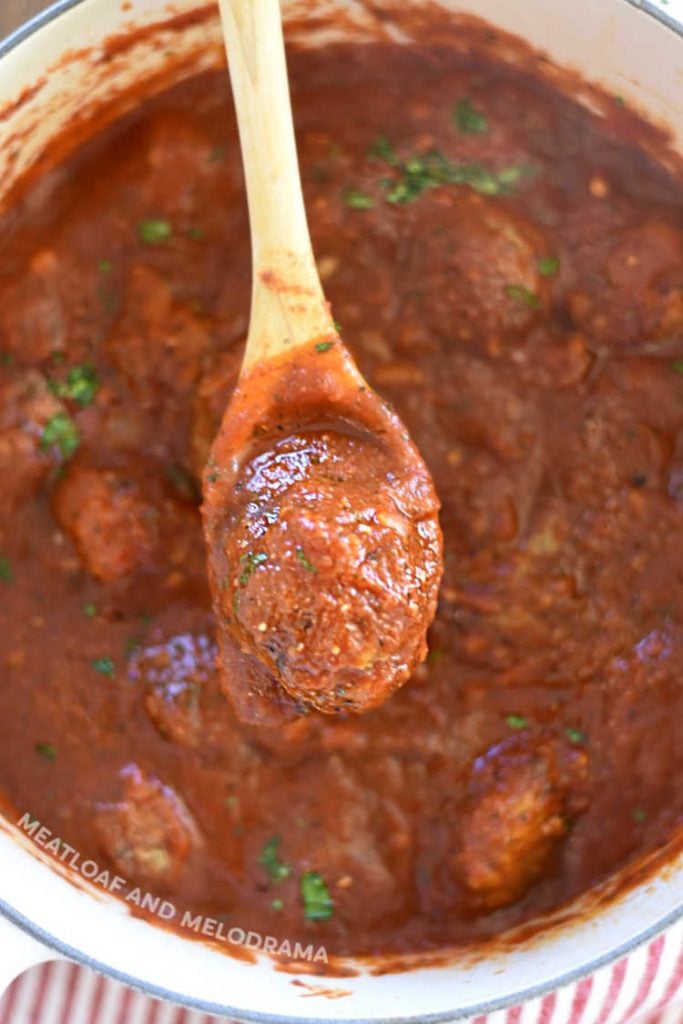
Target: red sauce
{"points": [[508, 271]]}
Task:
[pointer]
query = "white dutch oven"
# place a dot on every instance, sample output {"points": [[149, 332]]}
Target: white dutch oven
{"points": [[635, 51]]}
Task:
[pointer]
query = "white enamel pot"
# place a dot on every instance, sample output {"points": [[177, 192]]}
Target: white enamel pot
{"points": [[635, 51]]}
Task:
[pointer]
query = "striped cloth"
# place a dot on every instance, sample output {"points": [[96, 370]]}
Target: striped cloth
{"points": [[645, 987]]}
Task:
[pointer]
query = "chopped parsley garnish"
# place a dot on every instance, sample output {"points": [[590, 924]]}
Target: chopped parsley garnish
{"points": [[318, 904], [154, 231], [62, 433], [7, 359], [523, 295], [677, 365], [511, 175], [277, 903], [517, 721], [548, 266], [104, 266], [432, 170], [620, 101], [6, 574], [90, 609], [301, 557], [468, 120], [218, 153], [433, 655], [184, 482], [357, 200], [46, 751], [337, 326], [81, 385], [383, 150], [639, 815], [105, 666], [324, 346], [575, 735], [132, 644], [251, 562], [198, 234], [270, 860]]}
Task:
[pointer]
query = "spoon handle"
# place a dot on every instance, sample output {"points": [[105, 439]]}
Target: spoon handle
{"points": [[288, 305]]}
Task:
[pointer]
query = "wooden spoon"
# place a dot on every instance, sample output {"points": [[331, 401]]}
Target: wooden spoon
{"points": [[320, 515]]}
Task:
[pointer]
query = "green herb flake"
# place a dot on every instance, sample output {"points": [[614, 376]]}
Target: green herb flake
{"points": [[513, 174], [318, 904], [81, 385], [104, 266], [432, 170], [218, 153], [548, 266], [270, 860], [132, 644], [231, 801], [198, 234], [521, 294], [154, 231], [575, 736], [620, 101], [62, 433], [382, 149], [324, 346], [468, 120], [90, 609], [105, 666], [433, 655], [250, 563], [639, 815], [277, 904], [184, 482], [517, 721], [301, 557], [357, 200], [677, 365], [7, 359], [46, 750], [6, 574]]}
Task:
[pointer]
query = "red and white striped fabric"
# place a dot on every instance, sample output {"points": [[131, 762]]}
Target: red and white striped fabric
{"points": [[646, 987]]}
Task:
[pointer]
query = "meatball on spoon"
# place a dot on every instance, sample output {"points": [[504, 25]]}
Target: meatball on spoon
{"points": [[320, 516]]}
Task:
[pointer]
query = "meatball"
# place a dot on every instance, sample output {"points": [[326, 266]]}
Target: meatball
{"points": [[357, 837], [177, 150], [158, 344], [211, 398], [488, 413], [513, 823], [332, 576], [175, 673], [639, 294], [491, 437], [149, 834], [26, 407], [44, 290], [113, 525], [482, 261]]}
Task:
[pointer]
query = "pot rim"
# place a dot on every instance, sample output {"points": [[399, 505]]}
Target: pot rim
{"points": [[9, 43]]}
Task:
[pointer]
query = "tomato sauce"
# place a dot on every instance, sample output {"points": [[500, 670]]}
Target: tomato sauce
{"points": [[508, 272]]}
